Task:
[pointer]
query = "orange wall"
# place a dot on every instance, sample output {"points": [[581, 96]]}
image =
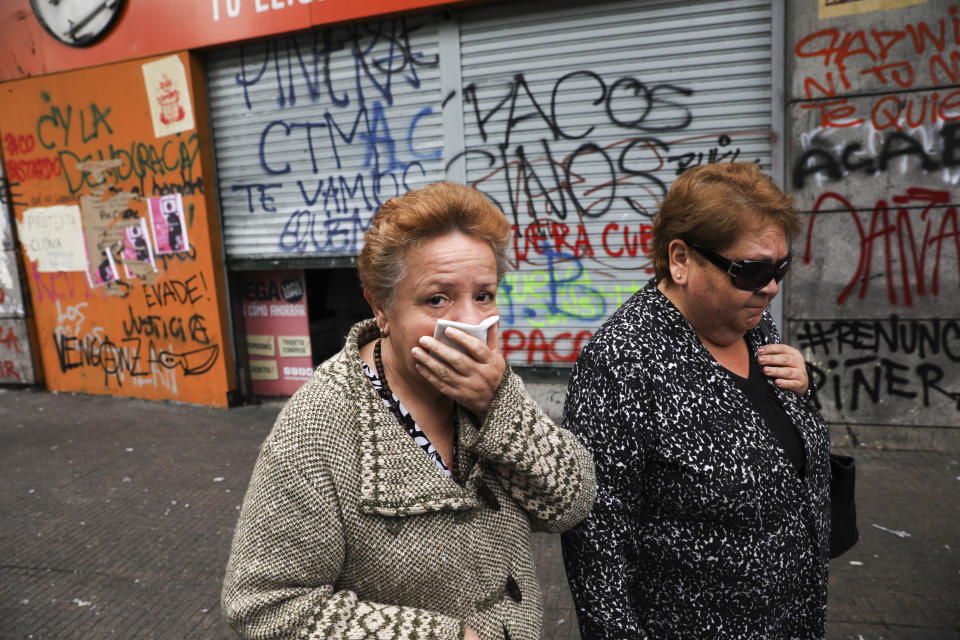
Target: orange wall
{"points": [[149, 27], [161, 334]]}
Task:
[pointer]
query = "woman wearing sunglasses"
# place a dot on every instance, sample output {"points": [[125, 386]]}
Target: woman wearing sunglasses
{"points": [[712, 511]]}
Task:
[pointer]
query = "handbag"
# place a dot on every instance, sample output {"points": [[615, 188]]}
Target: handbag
{"points": [[843, 509]]}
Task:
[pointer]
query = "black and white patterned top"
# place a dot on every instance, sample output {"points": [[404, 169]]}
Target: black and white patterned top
{"points": [[409, 423], [701, 528]]}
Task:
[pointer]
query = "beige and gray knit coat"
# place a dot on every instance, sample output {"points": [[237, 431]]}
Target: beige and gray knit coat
{"points": [[349, 530]]}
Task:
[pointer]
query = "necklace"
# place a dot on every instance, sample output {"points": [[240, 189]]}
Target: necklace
{"points": [[385, 391], [407, 420]]}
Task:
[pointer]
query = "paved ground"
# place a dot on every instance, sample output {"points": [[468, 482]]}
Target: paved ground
{"points": [[116, 517]]}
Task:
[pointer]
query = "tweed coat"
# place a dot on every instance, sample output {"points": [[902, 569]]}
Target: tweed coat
{"points": [[349, 530], [702, 528]]}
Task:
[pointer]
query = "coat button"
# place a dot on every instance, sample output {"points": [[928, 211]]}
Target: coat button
{"points": [[487, 495], [513, 589]]}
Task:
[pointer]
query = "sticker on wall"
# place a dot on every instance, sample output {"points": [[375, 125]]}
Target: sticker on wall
{"points": [[168, 95], [137, 253], [53, 238], [837, 8], [169, 224]]}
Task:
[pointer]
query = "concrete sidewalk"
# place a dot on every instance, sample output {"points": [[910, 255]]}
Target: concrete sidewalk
{"points": [[117, 517]]}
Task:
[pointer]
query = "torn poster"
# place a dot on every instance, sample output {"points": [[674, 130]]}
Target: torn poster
{"points": [[104, 270], [137, 253]]}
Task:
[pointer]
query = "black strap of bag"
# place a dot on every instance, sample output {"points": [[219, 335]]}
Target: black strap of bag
{"points": [[843, 508]]}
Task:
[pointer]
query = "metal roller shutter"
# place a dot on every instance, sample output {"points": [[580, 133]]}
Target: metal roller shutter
{"points": [[577, 118], [312, 132], [574, 118]]}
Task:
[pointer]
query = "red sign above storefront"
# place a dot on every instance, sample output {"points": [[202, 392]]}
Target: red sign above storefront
{"points": [[150, 28]]}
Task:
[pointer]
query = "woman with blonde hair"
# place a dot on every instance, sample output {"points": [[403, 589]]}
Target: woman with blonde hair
{"points": [[395, 496]]}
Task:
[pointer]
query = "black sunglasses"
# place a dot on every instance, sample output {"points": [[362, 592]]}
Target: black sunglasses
{"points": [[749, 275]]}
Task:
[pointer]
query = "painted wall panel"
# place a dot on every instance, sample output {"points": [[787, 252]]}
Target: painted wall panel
{"points": [[11, 294], [881, 225], [118, 230], [313, 132], [908, 46], [886, 155], [577, 118], [874, 164], [16, 361], [895, 371]]}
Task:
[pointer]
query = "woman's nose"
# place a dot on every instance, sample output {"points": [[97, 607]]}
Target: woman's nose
{"points": [[770, 289]]}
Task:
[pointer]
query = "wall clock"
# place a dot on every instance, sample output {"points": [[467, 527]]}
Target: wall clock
{"points": [[78, 23]]}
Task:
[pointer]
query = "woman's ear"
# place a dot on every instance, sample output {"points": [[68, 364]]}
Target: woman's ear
{"points": [[679, 258], [379, 313]]}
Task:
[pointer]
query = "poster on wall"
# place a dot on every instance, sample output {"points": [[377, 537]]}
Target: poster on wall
{"points": [[53, 238], [278, 331], [168, 95], [169, 224]]}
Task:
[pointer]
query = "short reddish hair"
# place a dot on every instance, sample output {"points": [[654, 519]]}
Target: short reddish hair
{"points": [[713, 204], [407, 221]]}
